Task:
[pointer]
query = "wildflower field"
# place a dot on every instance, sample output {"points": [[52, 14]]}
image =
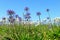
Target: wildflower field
{"points": [[29, 20], [29, 32], [15, 27]]}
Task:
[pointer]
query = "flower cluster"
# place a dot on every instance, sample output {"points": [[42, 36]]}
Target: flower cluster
{"points": [[26, 9], [38, 13], [25, 15], [10, 12]]}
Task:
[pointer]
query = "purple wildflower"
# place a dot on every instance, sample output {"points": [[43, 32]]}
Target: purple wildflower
{"points": [[27, 15], [16, 16], [26, 9], [47, 10], [10, 12], [11, 20], [38, 13], [11, 16]]}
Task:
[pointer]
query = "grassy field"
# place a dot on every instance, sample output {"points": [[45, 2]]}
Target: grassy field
{"points": [[29, 32]]}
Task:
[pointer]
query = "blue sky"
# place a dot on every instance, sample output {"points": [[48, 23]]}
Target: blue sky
{"points": [[34, 5]]}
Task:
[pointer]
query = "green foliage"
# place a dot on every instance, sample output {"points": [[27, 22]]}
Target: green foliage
{"points": [[29, 32]]}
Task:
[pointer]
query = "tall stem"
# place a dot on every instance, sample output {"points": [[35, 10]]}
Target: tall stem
{"points": [[23, 18], [39, 20], [49, 17], [50, 20]]}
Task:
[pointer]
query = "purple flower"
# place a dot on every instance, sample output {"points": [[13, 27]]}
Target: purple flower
{"points": [[11, 20], [47, 10], [10, 17], [16, 16], [29, 17], [10, 12], [38, 13], [27, 14], [26, 9]]}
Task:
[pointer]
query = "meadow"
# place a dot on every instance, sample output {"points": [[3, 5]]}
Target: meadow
{"points": [[14, 30], [29, 32]]}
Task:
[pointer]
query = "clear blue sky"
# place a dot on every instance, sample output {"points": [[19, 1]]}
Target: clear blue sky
{"points": [[34, 5]]}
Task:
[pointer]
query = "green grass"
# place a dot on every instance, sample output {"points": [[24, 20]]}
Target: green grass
{"points": [[29, 32]]}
